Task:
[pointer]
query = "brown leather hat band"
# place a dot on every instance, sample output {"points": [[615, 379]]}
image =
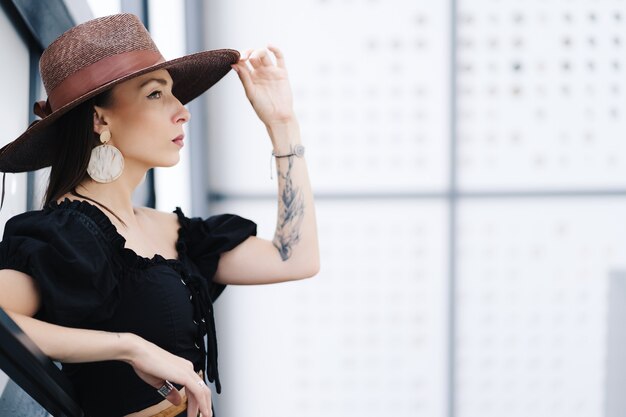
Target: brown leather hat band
{"points": [[99, 73]]}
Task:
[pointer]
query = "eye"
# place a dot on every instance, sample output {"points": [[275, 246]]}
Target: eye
{"points": [[155, 95]]}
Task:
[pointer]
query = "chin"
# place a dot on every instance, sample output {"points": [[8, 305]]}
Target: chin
{"points": [[167, 162]]}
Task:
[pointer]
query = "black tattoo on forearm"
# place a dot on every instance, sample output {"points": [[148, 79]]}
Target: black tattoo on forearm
{"points": [[290, 214]]}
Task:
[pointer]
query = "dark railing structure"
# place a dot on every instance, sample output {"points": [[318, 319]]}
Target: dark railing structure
{"points": [[34, 372]]}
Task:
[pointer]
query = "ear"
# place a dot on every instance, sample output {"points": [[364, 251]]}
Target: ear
{"points": [[99, 122]]}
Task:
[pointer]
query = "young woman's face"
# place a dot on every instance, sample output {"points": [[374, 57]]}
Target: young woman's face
{"points": [[145, 120]]}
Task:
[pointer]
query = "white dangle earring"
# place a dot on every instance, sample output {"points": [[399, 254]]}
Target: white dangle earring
{"points": [[107, 162]]}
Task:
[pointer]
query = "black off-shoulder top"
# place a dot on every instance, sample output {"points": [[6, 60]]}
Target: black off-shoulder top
{"points": [[88, 279]]}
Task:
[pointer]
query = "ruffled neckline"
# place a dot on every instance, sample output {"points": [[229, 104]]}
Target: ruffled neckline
{"points": [[118, 241]]}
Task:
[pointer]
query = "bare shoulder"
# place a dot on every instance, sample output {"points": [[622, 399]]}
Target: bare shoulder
{"points": [[160, 218]]}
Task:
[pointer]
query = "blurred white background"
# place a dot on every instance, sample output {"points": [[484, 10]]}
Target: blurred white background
{"points": [[469, 165]]}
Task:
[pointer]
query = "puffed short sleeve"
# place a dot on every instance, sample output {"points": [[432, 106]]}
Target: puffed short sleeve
{"points": [[203, 240], [69, 260]]}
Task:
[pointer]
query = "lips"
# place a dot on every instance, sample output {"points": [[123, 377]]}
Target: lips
{"points": [[178, 140]]}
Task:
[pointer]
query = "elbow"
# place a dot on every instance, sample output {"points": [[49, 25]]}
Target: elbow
{"points": [[301, 270], [314, 264], [312, 268], [305, 264], [304, 268]]}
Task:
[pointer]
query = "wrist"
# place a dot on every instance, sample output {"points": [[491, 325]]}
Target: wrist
{"points": [[284, 137], [129, 347], [282, 122], [284, 133]]}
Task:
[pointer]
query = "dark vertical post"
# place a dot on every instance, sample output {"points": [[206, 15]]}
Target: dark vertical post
{"points": [[34, 93]]}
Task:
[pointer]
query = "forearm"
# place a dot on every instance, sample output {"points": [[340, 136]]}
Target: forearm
{"points": [[71, 345], [296, 230], [151, 363], [297, 254]]}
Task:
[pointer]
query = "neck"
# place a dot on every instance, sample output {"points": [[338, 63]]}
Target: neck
{"points": [[116, 196]]}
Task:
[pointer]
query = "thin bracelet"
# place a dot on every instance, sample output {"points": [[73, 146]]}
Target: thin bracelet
{"points": [[283, 156], [297, 150]]}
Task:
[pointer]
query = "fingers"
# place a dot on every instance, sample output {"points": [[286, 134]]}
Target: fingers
{"points": [[174, 397], [168, 391], [207, 409], [260, 58], [258, 64], [280, 58], [242, 70], [192, 406], [199, 398], [245, 54]]}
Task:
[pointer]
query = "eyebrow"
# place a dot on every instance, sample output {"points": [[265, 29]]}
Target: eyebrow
{"points": [[161, 81]]}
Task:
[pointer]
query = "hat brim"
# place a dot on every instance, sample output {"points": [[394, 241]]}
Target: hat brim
{"points": [[192, 75]]}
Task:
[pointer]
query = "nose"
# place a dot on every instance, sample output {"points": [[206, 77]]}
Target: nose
{"points": [[182, 114]]}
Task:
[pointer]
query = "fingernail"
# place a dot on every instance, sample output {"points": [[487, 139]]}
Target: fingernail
{"points": [[235, 68]]}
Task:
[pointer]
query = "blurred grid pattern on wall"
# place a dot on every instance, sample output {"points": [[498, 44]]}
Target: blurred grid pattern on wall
{"points": [[368, 335], [518, 235], [541, 94], [372, 101], [540, 111], [532, 298]]}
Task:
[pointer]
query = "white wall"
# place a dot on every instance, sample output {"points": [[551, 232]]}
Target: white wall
{"points": [[167, 27], [101, 8], [14, 110]]}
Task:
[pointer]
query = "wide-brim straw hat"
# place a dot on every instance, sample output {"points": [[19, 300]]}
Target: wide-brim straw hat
{"points": [[93, 57]]}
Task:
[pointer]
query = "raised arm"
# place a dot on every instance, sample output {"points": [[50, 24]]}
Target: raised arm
{"points": [[293, 253]]}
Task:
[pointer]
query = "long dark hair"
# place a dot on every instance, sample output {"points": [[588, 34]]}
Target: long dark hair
{"points": [[76, 139]]}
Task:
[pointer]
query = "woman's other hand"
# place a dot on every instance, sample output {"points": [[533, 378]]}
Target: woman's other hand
{"points": [[266, 84], [155, 365]]}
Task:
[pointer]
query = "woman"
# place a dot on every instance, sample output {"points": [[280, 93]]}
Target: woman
{"points": [[122, 295]]}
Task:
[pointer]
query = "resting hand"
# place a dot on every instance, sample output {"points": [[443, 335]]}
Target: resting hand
{"points": [[155, 365], [266, 84]]}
